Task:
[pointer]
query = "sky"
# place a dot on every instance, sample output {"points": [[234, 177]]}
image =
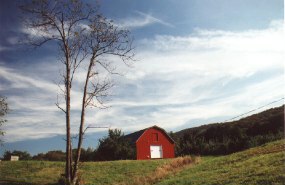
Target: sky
{"points": [[197, 62]]}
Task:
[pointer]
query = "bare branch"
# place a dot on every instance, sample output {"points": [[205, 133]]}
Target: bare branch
{"points": [[58, 106], [88, 127]]}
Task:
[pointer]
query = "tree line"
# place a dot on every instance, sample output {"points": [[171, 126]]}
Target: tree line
{"points": [[112, 147]]}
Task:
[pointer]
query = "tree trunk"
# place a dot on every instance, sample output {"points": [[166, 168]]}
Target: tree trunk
{"points": [[68, 165], [68, 138], [80, 139]]}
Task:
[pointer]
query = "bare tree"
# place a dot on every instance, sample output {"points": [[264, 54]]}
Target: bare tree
{"points": [[83, 36], [59, 21], [103, 39], [3, 111]]}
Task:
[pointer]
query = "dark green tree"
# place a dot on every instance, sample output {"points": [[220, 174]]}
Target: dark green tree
{"points": [[114, 147], [87, 154], [56, 155]]}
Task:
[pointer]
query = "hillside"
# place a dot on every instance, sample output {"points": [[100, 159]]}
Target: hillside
{"points": [[260, 165], [229, 137]]}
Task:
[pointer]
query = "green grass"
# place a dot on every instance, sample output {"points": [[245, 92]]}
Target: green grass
{"points": [[263, 165], [99, 173], [30, 172], [116, 172]]}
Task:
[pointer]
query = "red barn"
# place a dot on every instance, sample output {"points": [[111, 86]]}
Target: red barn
{"points": [[152, 143]]}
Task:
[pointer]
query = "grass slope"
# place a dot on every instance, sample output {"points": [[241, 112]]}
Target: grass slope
{"points": [[260, 165]]}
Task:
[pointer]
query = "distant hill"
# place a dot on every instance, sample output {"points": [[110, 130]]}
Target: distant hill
{"points": [[229, 137]]}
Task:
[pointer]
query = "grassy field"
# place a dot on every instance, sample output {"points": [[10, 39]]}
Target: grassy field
{"points": [[261, 165], [33, 172], [99, 173]]}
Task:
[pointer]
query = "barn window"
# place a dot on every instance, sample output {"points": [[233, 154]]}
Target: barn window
{"points": [[154, 136]]}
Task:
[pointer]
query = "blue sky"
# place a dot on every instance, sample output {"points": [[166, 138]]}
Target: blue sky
{"points": [[198, 62]]}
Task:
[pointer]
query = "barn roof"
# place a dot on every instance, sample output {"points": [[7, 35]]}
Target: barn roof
{"points": [[133, 137]]}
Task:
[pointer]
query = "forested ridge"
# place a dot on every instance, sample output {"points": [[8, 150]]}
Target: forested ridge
{"points": [[229, 137]]}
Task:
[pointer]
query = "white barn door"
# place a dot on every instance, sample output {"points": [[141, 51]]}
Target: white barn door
{"points": [[155, 151]]}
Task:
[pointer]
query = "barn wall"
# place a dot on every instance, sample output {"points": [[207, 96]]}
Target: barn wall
{"points": [[144, 142]]}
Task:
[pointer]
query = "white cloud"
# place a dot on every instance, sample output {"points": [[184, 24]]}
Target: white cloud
{"points": [[13, 40], [209, 52], [32, 101], [178, 82], [208, 74], [141, 21], [23, 81], [3, 48]]}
